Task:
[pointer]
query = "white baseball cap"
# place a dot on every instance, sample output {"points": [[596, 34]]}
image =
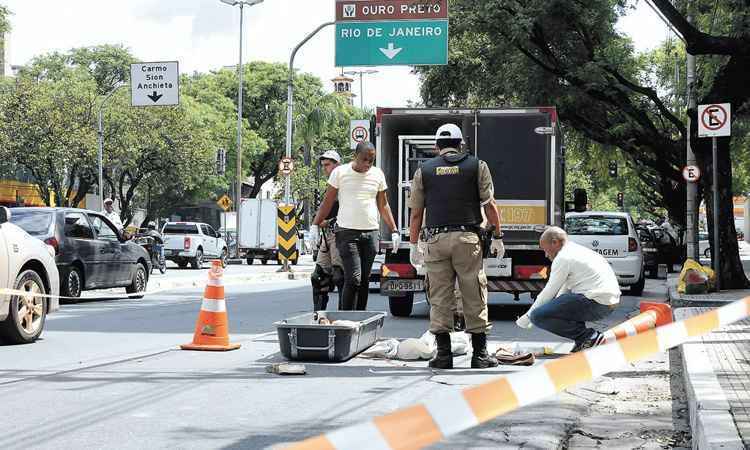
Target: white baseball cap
{"points": [[331, 154], [449, 131]]}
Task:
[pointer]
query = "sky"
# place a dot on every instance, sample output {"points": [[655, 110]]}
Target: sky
{"points": [[203, 35]]}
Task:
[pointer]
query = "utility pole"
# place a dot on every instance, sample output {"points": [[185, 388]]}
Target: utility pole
{"points": [[691, 206], [238, 199], [290, 120]]}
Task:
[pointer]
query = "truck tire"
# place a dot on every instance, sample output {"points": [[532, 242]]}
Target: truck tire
{"points": [[182, 264], [401, 306], [197, 262], [19, 328], [637, 289], [249, 261]]}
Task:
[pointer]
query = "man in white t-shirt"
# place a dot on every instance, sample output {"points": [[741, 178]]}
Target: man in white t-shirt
{"points": [[361, 191], [582, 287]]}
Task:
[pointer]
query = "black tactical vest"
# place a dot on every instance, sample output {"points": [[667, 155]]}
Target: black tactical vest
{"points": [[451, 189]]}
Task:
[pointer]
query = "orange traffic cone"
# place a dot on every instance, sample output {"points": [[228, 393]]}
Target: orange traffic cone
{"points": [[212, 328], [652, 315]]}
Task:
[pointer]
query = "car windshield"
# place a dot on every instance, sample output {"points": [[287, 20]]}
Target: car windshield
{"points": [[596, 225], [180, 228], [36, 223]]}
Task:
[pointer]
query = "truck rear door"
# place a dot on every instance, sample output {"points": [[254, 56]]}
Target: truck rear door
{"points": [[522, 163]]}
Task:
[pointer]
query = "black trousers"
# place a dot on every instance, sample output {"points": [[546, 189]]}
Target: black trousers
{"points": [[357, 249]]}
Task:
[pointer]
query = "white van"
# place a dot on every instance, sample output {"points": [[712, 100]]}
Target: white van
{"points": [[612, 235]]}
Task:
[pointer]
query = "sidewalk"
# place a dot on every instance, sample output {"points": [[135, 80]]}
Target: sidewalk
{"points": [[717, 373]]}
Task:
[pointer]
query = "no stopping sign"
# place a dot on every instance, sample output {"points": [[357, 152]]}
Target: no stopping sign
{"points": [[715, 120]]}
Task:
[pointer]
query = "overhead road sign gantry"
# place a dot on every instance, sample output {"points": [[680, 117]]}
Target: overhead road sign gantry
{"points": [[397, 32], [155, 83]]}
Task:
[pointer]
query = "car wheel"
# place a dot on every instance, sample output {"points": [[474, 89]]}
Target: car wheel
{"points": [[637, 288], [182, 264], [140, 282], [264, 261], [224, 256], [72, 285], [197, 262], [401, 306], [28, 312], [249, 261]]}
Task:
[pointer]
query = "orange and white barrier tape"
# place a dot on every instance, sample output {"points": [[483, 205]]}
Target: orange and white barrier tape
{"points": [[437, 418]]}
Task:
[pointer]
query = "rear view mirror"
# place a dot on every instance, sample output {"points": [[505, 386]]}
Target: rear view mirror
{"points": [[4, 214]]}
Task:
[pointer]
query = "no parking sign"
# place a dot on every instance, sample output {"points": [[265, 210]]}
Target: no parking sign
{"points": [[715, 120]]}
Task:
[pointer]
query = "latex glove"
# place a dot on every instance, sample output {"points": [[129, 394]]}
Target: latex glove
{"points": [[524, 321], [315, 235], [416, 257], [498, 247], [396, 241]]}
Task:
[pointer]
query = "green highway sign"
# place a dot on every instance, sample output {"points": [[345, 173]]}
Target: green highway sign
{"points": [[392, 42]]}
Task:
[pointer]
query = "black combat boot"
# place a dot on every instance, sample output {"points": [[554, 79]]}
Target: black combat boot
{"points": [[480, 359], [320, 302], [444, 357]]}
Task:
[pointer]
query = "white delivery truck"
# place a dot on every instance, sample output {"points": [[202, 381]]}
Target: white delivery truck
{"points": [[259, 230], [523, 149]]}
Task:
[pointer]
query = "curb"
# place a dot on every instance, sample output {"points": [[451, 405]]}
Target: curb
{"points": [[711, 421], [162, 285]]}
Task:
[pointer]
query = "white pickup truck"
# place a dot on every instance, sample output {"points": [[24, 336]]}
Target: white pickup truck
{"points": [[192, 242]]}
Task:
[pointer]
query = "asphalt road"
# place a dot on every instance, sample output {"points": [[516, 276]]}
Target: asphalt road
{"points": [[108, 374]]}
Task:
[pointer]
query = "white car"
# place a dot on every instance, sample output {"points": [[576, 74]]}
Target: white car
{"points": [[612, 235], [193, 243], [26, 264]]}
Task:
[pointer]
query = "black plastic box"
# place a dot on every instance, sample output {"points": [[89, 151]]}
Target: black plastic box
{"points": [[300, 339]]}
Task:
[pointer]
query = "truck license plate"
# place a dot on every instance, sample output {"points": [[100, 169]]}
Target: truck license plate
{"points": [[494, 267], [402, 285]]}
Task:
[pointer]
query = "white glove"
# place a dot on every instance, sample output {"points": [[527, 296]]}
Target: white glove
{"points": [[498, 247], [524, 321], [396, 241], [315, 235], [416, 257]]}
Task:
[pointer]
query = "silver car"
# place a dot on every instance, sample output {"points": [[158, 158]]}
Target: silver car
{"points": [[26, 264]]}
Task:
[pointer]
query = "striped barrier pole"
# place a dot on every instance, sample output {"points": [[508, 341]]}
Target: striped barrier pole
{"points": [[427, 423]]}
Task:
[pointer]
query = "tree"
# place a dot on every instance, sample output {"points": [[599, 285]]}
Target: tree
{"points": [[47, 130], [264, 109], [146, 146], [108, 65], [312, 120], [569, 53]]}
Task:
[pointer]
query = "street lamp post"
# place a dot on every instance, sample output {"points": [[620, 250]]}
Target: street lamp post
{"points": [[361, 73], [289, 117], [100, 133], [238, 198]]}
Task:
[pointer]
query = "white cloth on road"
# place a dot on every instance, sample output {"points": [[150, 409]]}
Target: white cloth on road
{"points": [[413, 349], [358, 207]]}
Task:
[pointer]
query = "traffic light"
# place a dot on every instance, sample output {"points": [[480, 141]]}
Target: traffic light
{"points": [[613, 169], [317, 199], [221, 161], [620, 199]]}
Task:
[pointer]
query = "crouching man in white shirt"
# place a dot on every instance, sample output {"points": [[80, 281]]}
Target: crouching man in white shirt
{"points": [[582, 287]]}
